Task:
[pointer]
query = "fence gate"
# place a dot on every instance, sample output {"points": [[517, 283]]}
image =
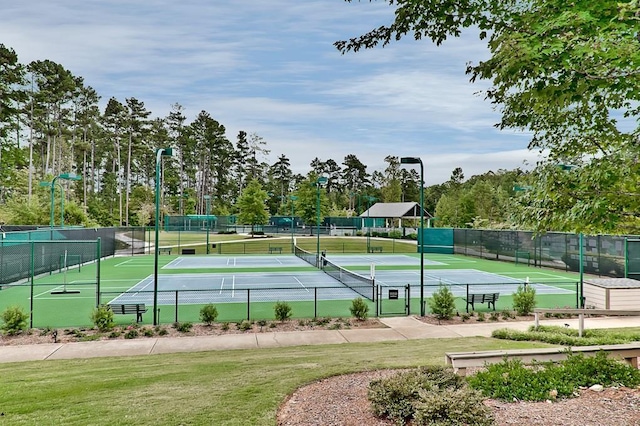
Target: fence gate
{"points": [[394, 300]]}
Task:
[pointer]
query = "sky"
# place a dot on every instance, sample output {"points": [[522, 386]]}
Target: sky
{"points": [[269, 67]]}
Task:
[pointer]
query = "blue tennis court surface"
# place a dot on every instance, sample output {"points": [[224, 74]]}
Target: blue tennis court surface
{"points": [[227, 288], [195, 262]]}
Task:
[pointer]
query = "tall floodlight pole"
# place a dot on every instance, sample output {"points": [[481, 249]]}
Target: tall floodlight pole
{"points": [[370, 199], [65, 176], [161, 152], [418, 160], [293, 198], [322, 180], [207, 199]]}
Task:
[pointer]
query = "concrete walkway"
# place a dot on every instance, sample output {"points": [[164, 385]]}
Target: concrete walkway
{"points": [[398, 329]]}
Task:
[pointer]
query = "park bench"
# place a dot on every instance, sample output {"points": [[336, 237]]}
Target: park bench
{"points": [[488, 298], [460, 361], [164, 250], [374, 249], [275, 250], [189, 251], [581, 313], [129, 309]]}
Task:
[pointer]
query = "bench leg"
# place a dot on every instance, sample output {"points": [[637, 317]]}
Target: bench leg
{"points": [[138, 316], [491, 303]]}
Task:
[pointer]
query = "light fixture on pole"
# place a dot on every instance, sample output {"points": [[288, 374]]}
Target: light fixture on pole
{"points": [[160, 152], [370, 199], [64, 176], [293, 198], [418, 160], [207, 199], [322, 180]]}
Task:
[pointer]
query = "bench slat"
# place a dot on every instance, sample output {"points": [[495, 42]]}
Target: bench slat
{"points": [[129, 308]]}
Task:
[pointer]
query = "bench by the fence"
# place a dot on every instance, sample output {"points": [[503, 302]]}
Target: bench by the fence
{"points": [[581, 313], [488, 298], [374, 249], [275, 250], [460, 361], [188, 251], [129, 308], [164, 250]]}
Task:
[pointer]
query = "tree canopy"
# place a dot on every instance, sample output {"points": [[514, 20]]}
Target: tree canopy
{"points": [[568, 73]]}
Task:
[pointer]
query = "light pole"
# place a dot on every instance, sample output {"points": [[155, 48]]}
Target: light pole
{"points": [[418, 160], [207, 199], [64, 176], [293, 198], [160, 152], [370, 199], [322, 180]]}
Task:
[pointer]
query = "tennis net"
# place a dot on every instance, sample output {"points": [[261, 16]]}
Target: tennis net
{"points": [[308, 257], [360, 284]]}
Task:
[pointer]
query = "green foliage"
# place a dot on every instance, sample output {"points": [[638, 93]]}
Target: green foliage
{"points": [[511, 379], [245, 325], [282, 311], [442, 303], [183, 327], [481, 317], [208, 314], [452, 407], [252, 206], [359, 309], [567, 336], [102, 318], [524, 300], [131, 334], [224, 326], [14, 320], [396, 397]]}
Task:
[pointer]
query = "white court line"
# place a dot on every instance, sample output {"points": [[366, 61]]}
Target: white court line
{"points": [[278, 260], [48, 291], [221, 285], [296, 278], [122, 263], [228, 260], [233, 286]]}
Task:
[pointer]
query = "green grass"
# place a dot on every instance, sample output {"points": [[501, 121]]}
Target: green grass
{"points": [[240, 387]]}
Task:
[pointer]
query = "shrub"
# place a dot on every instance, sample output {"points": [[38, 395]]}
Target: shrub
{"points": [[183, 327], [208, 314], [465, 317], [282, 311], [131, 334], [14, 320], [148, 332], [359, 309], [162, 331], [224, 326], [395, 397], [506, 314], [102, 318], [494, 316], [245, 325], [262, 322], [114, 334], [524, 300], [442, 303], [461, 406], [481, 317], [396, 235]]}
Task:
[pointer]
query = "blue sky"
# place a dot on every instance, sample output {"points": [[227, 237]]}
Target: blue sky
{"points": [[270, 68]]}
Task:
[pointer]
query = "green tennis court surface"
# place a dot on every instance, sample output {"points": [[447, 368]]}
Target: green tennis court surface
{"points": [[248, 286]]}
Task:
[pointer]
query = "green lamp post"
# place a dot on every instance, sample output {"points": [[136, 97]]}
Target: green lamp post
{"points": [[321, 181], [207, 199], [63, 176], [160, 152], [293, 198], [417, 160]]}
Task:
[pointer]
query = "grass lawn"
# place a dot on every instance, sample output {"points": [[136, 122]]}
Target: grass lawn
{"points": [[239, 387]]}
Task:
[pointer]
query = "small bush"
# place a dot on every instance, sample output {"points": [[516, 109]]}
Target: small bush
{"points": [[442, 303], [481, 317], [102, 318], [359, 309], [14, 320], [465, 317], [131, 334], [282, 311], [494, 316], [162, 332], [208, 314], [506, 314], [245, 325], [224, 326], [524, 300], [262, 322], [396, 397], [461, 406], [183, 327], [114, 334], [323, 321], [148, 332]]}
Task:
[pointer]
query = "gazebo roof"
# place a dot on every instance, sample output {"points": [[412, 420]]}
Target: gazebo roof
{"points": [[409, 210]]}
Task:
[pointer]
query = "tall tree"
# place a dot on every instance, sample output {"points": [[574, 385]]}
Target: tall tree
{"points": [[251, 205]]}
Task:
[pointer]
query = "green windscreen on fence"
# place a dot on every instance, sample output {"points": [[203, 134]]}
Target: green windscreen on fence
{"points": [[436, 240], [632, 269]]}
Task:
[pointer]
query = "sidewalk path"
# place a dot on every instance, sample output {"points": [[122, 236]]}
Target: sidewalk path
{"points": [[399, 328]]}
